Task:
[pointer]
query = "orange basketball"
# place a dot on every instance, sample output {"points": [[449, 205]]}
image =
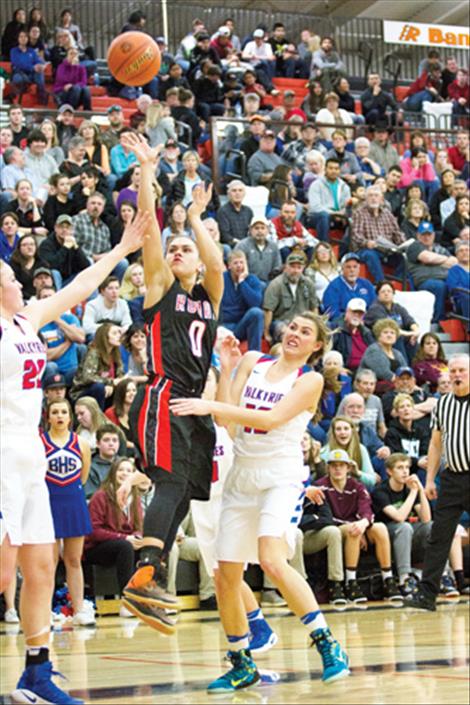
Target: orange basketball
{"points": [[134, 58]]}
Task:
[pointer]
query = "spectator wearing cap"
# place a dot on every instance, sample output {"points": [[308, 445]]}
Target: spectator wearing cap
{"points": [[256, 128], [110, 137], [375, 234], [233, 91], [291, 234], [260, 54], [458, 281], [409, 435], [61, 251], [64, 339], [331, 114], [381, 150], [185, 112], [167, 59], [65, 125], [288, 295], [170, 164], [121, 157], [295, 154], [349, 285], [288, 107], [209, 94], [262, 163], [428, 265], [42, 276], [233, 217], [352, 337], [350, 170], [328, 197], [375, 101], [70, 83], [221, 42], [382, 357], [405, 383], [351, 506], [262, 255], [242, 301], [385, 307]]}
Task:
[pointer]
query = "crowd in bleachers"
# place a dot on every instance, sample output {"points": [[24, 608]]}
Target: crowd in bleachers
{"points": [[326, 214]]}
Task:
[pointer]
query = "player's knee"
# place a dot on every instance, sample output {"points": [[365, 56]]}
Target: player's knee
{"points": [[73, 562], [272, 567], [41, 575]]}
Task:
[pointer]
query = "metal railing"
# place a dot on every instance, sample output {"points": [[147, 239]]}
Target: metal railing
{"points": [[101, 20]]}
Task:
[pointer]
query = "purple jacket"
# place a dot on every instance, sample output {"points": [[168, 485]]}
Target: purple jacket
{"points": [[69, 73]]}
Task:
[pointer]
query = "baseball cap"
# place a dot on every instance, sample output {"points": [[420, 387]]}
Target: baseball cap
{"points": [[66, 108], [258, 33], [289, 92], [357, 304], [223, 31], [295, 257], [42, 270], [349, 256], [201, 36], [230, 76], [261, 118], [425, 227], [405, 371], [55, 380], [114, 108], [306, 125], [259, 219], [338, 456], [64, 218], [268, 133], [160, 40], [171, 143]]}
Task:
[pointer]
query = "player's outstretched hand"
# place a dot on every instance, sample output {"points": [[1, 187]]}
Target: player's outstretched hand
{"points": [[135, 233], [201, 199], [230, 354], [139, 146], [190, 407]]}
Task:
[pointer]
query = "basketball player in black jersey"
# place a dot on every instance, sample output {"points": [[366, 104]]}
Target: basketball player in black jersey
{"points": [[181, 322]]}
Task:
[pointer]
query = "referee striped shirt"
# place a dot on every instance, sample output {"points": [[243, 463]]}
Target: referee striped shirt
{"points": [[451, 416]]}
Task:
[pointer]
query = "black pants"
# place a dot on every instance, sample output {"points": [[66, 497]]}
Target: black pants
{"points": [[118, 553], [453, 499], [168, 508]]}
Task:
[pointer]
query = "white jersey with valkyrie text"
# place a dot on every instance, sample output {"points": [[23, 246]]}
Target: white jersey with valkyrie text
{"points": [[283, 443], [22, 363]]}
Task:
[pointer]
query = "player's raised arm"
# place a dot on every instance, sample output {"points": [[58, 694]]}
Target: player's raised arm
{"points": [[41, 312], [209, 252], [157, 273]]}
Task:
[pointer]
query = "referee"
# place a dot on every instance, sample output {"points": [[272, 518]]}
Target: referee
{"points": [[450, 436]]}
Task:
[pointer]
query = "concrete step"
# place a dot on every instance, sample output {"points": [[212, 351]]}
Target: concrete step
{"points": [[444, 337], [454, 348]]}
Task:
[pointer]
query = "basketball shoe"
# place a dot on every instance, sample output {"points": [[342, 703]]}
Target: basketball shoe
{"points": [[148, 585], [262, 637], [244, 674], [36, 686], [335, 660], [155, 617]]}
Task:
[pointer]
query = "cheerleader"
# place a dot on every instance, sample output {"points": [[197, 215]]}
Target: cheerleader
{"points": [[68, 464]]}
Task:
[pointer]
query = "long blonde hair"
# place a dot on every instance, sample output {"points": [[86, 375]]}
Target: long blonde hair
{"points": [[153, 115], [127, 290], [353, 448], [97, 416]]}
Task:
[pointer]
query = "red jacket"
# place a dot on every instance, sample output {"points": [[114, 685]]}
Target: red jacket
{"points": [[454, 91], [104, 523], [353, 504], [456, 158], [281, 231], [422, 82]]}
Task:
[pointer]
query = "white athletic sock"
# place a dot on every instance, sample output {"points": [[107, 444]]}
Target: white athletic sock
{"points": [[418, 572], [254, 615], [386, 574], [350, 575], [314, 620], [237, 643]]}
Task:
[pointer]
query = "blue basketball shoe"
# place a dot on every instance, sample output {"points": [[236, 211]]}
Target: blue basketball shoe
{"points": [[335, 660], [36, 686], [262, 637], [244, 674]]}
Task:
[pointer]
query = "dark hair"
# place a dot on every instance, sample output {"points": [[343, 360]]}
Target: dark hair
{"points": [[276, 25], [408, 189], [136, 16], [106, 282], [133, 328], [55, 178], [65, 11], [17, 257], [109, 486], [440, 350], [100, 344], [380, 285], [184, 94], [417, 150], [127, 203], [15, 106], [170, 210], [395, 167], [91, 170], [434, 54], [35, 135], [119, 397], [105, 428], [9, 214], [332, 160], [59, 401]]}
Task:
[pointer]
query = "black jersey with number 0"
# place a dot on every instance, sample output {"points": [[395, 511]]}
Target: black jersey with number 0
{"points": [[181, 330]]}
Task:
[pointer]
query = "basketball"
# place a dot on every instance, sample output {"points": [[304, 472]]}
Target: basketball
{"points": [[134, 58]]}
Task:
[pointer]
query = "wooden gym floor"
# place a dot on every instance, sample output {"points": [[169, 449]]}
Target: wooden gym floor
{"points": [[397, 656]]}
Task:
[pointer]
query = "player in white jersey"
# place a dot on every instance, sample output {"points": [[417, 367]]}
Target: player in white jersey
{"points": [[26, 528], [271, 402], [206, 515]]}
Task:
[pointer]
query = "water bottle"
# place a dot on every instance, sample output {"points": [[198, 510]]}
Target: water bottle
{"points": [[96, 78]]}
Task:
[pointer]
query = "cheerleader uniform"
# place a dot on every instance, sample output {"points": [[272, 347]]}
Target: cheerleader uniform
{"points": [[67, 497]]}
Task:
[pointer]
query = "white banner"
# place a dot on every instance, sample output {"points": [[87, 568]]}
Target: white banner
{"points": [[418, 34]]}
